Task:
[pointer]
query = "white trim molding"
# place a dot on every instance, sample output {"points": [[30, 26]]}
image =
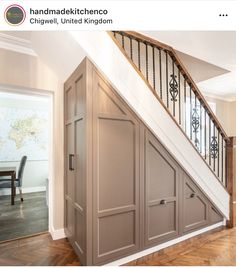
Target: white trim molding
{"points": [[161, 246], [16, 44], [24, 190], [57, 233]]}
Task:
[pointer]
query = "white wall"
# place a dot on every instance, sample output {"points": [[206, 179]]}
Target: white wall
{"points": [[225, 112], [35, 173]]}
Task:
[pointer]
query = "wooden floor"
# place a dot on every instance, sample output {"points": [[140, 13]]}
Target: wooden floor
{"points": [[23, 219], [216, 248], [39, 250]]}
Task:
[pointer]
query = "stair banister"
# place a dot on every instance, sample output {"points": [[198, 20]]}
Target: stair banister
{"points": [[162, 70]]}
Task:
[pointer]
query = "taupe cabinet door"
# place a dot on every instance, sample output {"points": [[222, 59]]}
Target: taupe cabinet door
{"points": [[195, 206], [75, 160], [116, 175], [161, 193]]}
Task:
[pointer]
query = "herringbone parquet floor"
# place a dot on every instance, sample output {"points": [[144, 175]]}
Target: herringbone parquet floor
{"points": [[39, 250], [213, 248]]}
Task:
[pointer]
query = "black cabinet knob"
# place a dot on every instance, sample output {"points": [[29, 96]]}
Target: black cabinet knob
{"points": [[163, 202]]}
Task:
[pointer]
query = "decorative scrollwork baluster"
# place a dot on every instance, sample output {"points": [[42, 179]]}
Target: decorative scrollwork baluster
{"points": [[195, 126], [174, 87], [214, 147]]}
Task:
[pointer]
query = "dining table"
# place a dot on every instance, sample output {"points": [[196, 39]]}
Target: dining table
{"points": [[11, 172]]}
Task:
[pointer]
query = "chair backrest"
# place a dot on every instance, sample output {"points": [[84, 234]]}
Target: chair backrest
{"points": [[21, 169]]}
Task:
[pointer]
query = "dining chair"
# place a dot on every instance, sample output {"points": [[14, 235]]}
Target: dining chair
{"points": [[6, 183]]}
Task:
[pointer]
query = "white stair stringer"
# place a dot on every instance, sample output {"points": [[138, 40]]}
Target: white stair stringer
{"points": [[105, 54]]}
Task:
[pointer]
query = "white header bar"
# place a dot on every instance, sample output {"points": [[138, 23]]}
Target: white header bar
{"points": [[120, 15]]}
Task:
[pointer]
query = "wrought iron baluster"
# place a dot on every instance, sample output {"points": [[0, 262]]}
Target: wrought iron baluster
{"points": [[222, 160], [185, 105], [153, 69], [139, 60], [218, 160], [195, 122], [205, 134], [190, 100], [167, 94], [179, 96], [160, 67], [225, 180], [214, 148], [131, 48], [173, 86], [123, 41], [200, 128], [147, 62], [173, 90], [209, 154]]}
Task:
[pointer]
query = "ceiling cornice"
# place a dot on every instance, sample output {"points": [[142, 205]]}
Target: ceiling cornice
{"points": [[16, 44]]}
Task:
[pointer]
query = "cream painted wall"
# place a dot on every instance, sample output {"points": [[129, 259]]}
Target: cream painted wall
{"points": [[222, 112], [232, 121], [225, 112], [27, 71]]}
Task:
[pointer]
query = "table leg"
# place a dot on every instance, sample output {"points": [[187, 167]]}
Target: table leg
{"points": [[12, 187]]}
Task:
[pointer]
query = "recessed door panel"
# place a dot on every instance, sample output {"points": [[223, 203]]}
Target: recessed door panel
{"points": [[215, 216], [116, 233], [79, 231], [116, 160], [80, 97], [69, 222], [195, 206], [159, 167], [70, 161], [80, 163], [69, 103], [164, 224], [161, 193]]}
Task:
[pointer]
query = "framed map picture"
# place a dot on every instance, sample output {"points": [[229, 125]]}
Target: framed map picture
{"points": [[24, 128]]}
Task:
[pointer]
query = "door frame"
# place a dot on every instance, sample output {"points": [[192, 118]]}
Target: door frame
{"points": [[51, 178]]}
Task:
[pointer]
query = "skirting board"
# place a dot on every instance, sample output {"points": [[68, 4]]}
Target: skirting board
{"points": [[161, 246], [57, 233], [24, 190]]}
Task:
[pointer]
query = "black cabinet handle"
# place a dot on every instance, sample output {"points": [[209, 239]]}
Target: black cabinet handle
{"points": [[193, 195], [163, 202], [71, 162]]}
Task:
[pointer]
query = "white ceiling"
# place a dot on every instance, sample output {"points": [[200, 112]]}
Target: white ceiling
{"points": [[218, 48]]}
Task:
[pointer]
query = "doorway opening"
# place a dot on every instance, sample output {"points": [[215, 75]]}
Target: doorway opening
{"points": [[25, 160]]}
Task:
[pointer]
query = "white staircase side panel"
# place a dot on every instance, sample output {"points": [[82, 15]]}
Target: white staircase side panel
{"points": [[105, 54]]}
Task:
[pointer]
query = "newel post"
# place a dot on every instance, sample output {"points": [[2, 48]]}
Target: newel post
{"points": [[231, 180]]}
